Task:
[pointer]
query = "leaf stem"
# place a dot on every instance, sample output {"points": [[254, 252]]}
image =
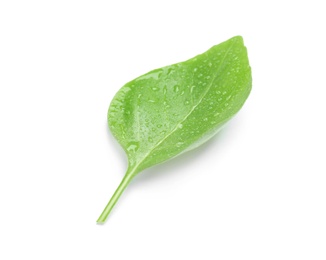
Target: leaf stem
{"points": [[123, 185]]}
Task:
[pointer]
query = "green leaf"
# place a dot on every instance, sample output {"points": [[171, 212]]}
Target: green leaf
{"points": [[171, 110]]}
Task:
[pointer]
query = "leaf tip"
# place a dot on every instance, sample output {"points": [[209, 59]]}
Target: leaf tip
{"points": [[237, 39]]}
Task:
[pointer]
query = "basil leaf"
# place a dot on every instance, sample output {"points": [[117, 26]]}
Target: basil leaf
{"points": [[174, 109]]}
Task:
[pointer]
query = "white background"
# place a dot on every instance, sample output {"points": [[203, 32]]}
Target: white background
{"points": [[255, 191]]}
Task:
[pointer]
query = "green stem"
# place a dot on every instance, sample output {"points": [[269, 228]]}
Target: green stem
{"points": [[123, 185]]}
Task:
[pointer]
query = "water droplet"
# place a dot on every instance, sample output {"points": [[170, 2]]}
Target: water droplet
{"points": [[182, 92], [176, 88], [224, 92], [165, 90], [126, 89], [152, 75], [218, 92], [187, 102], [151, 101], [133, 147], [205, 119], [139, 95], [192, 89], [195, 69], [180, 126], [155, 88]]}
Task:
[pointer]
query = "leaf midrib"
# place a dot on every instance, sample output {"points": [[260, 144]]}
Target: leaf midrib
{"points": [[190, 112]]}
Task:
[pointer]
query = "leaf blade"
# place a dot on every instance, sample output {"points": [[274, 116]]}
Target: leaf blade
{"points": [[149, 138]]}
